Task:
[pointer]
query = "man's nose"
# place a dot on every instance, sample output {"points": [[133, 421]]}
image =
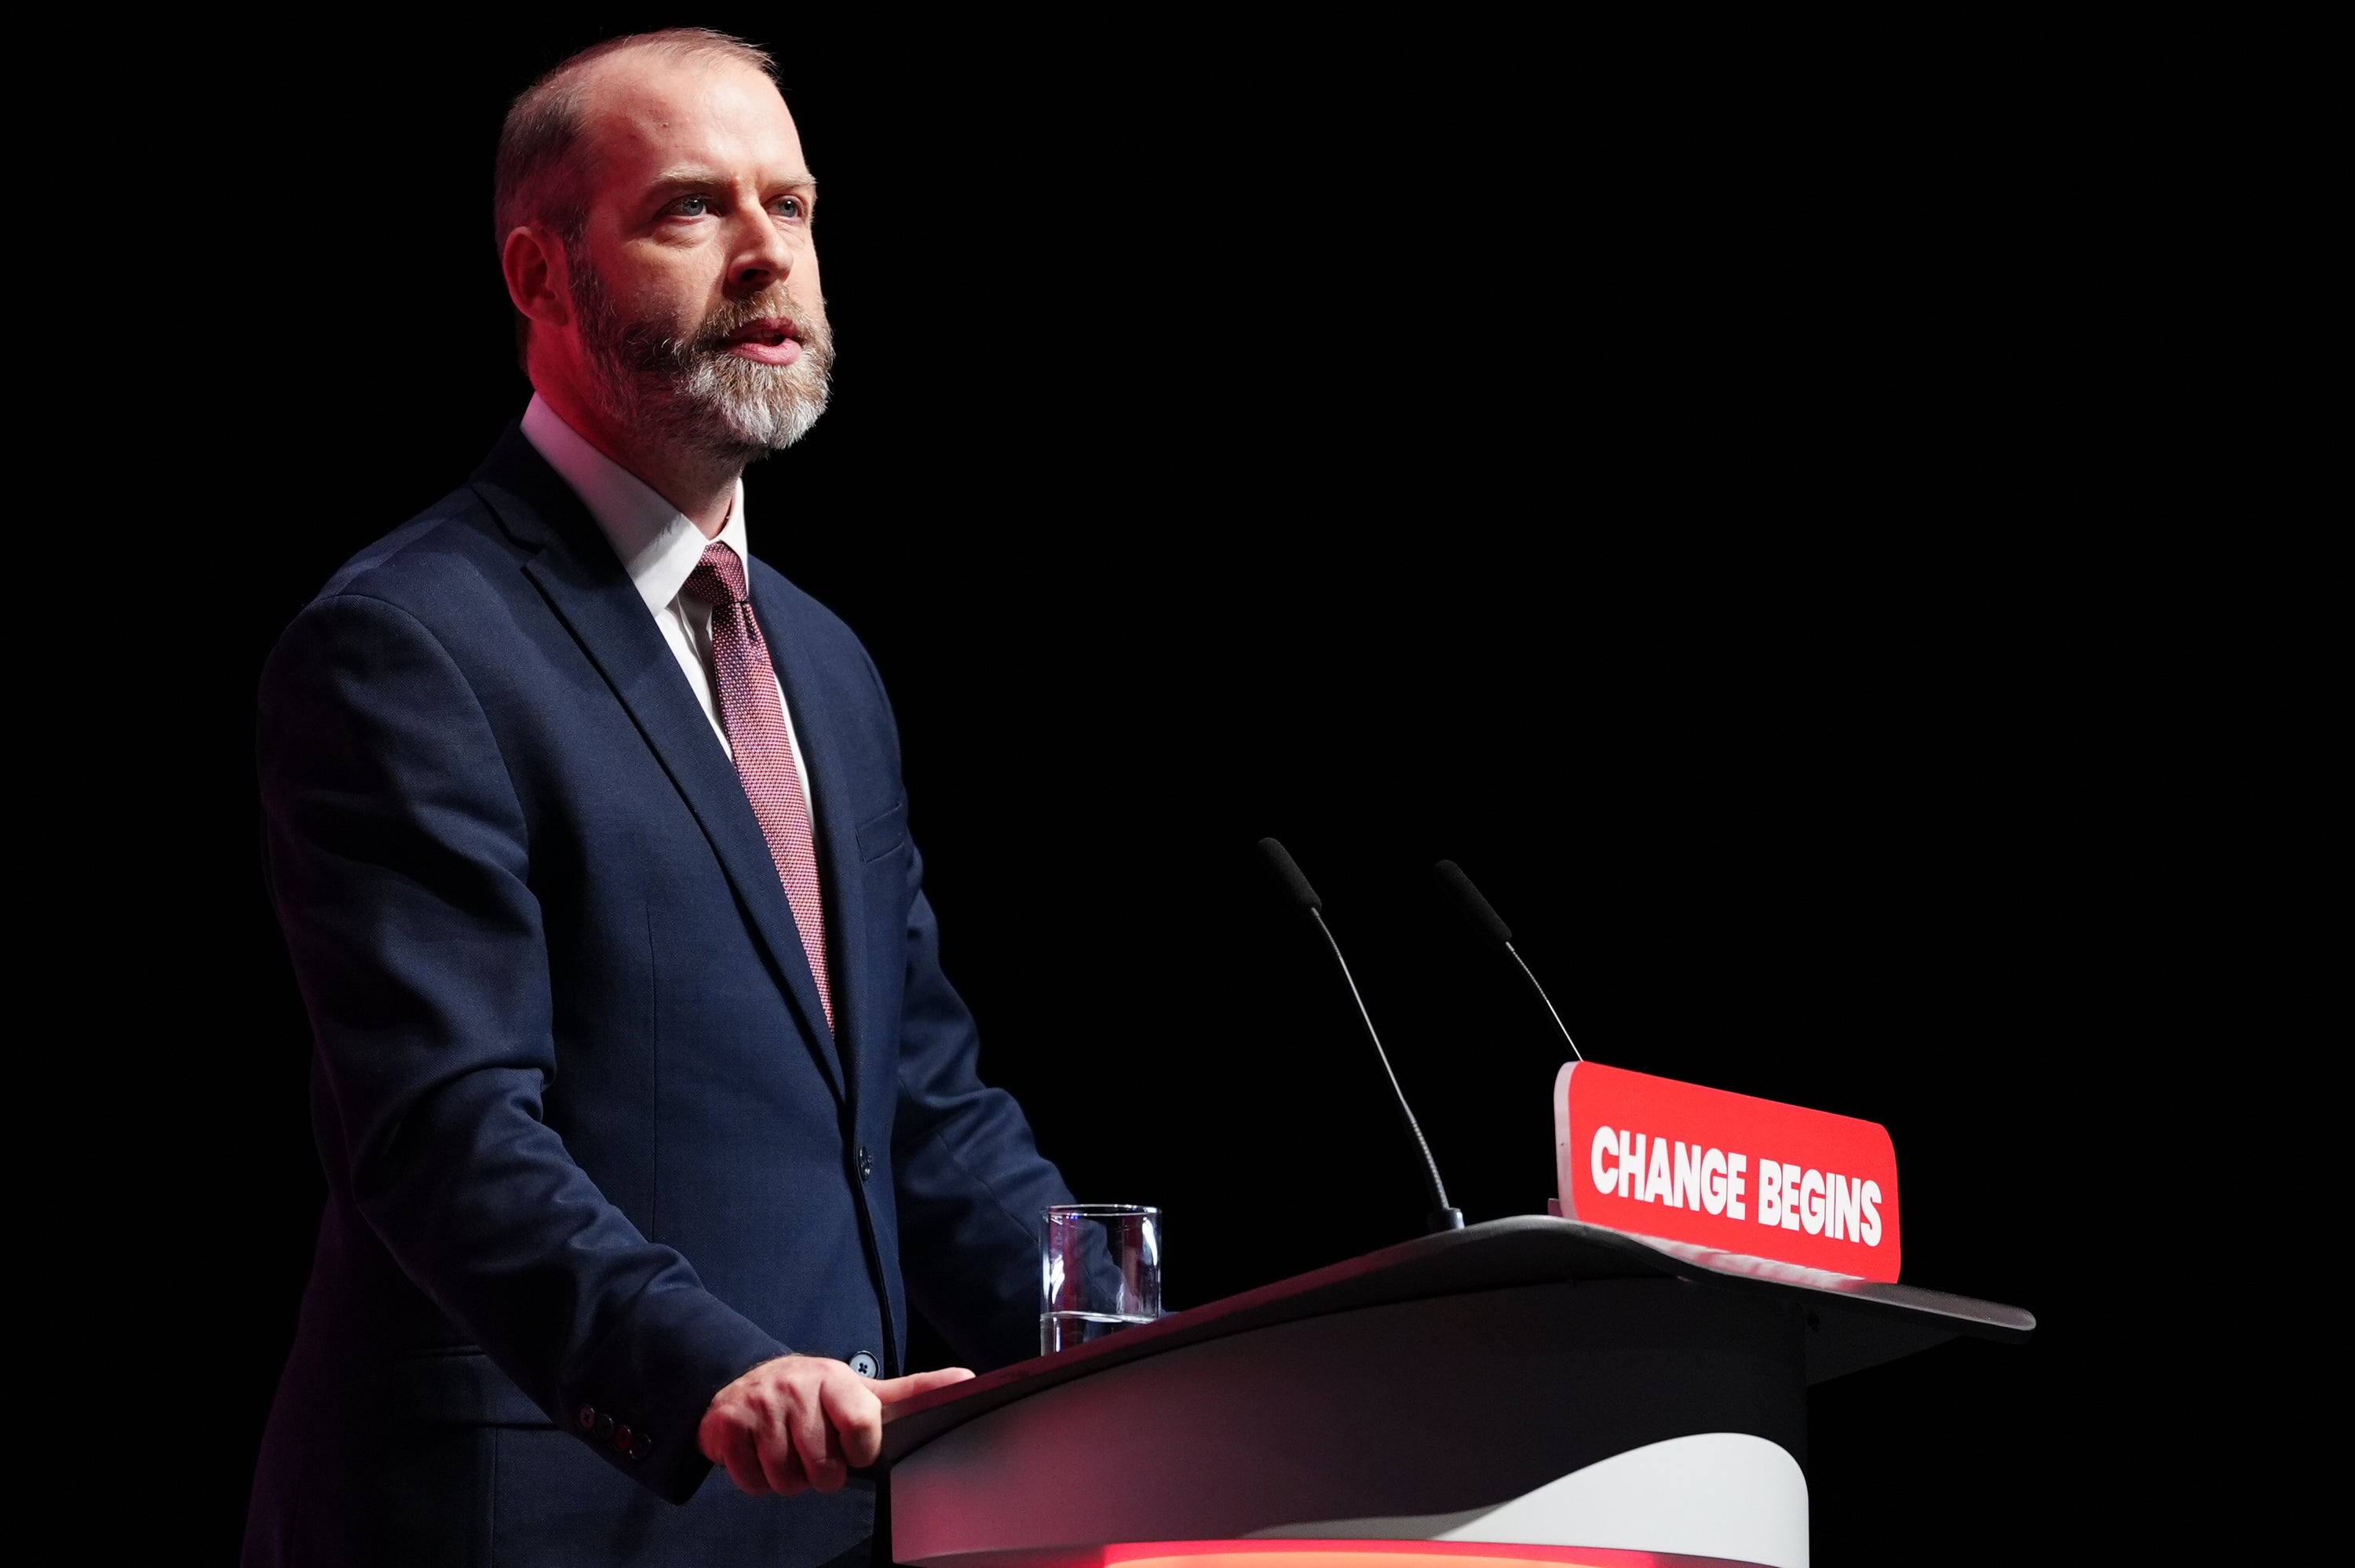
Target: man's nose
{"points": [[763, 256]]}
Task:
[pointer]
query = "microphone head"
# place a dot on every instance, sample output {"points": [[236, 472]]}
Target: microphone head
{"points": [[1475, 908], [1289, 874]]}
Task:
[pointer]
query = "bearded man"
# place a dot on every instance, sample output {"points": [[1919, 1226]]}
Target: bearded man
{"points": [[645, 1106]]}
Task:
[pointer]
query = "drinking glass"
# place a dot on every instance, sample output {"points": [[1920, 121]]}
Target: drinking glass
{"points": [[1101, 1272]]}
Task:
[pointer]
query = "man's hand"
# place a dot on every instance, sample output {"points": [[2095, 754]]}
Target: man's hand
{"points": [[805, 1421]]}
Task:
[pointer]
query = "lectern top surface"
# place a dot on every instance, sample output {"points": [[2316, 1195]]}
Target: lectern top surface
{"points": [[1852, 1323]]}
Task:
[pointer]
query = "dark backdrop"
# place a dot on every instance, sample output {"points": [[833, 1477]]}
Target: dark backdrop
{"points": [[1637, 469]]}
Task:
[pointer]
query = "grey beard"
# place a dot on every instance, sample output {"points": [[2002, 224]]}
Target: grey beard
{"points": [[718, 404], [745, 405]]}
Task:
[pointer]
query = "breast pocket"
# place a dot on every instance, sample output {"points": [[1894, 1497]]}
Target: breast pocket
{"points": [[883, 834]]}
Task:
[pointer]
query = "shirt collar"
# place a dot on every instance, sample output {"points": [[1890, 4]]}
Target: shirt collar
{"points": [[658, 545]]}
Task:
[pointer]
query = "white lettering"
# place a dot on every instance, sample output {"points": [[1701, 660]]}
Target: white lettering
{"points": [[1734, 1166], [1631, 1165], [1598, 1157], [1712, 1181], [1790, 1196], [1770, 1192], [1657, 1186], [1686, 1192], [1842, 1225], [1871, 1214], [1811, 1202]]}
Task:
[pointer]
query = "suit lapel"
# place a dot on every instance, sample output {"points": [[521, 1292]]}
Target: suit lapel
{"points": [[577, 574], [798, 673]]}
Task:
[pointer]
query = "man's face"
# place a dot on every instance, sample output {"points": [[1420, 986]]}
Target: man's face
{"points": [[695, 284]]}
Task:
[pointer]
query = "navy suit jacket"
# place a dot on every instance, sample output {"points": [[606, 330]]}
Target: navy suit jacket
{"points": [[592, 1148]]}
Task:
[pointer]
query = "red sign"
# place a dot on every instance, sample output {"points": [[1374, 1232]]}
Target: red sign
{"points": [[1656, 1158]]}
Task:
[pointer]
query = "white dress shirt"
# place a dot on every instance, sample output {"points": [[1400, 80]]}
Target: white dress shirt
{"points": [[659, 549]]}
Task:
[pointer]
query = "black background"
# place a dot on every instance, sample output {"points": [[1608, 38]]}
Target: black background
{"points": [[1639, 469]]}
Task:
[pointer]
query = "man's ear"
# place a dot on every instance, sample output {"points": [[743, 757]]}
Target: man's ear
{"points": [[534, 264]]}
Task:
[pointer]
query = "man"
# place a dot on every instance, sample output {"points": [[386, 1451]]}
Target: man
{"points": [[638, 1085]]}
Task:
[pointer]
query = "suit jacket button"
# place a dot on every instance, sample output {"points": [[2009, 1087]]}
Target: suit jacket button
{"points": [[866, 1163], [621, 1439], [641, 1446], [588, 1418], [863, 1362], [604, 1424]]}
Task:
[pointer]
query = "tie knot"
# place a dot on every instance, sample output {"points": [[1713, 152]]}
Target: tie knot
{"points": [[718, 578]]}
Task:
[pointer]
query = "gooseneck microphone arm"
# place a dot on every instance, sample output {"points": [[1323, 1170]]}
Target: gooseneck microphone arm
{"points": [[1491, 925], [1414, 1127], [1444, 1216], [1547, 1002]]}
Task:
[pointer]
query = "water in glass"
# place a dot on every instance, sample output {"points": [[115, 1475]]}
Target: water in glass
{"points": [[1100, 1273]]}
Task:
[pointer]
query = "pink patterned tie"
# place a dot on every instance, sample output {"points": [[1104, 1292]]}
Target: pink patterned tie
{"points": [[755, 723]]}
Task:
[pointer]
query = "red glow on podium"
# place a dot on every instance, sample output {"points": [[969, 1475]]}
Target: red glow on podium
{"points": [[1383, 1554]]}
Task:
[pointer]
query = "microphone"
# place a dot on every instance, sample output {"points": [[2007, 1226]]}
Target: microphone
{"points": [[1443, 1216], [1492, 926]]}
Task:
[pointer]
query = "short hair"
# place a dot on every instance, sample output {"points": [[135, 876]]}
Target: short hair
{"points": [[540, 175]]}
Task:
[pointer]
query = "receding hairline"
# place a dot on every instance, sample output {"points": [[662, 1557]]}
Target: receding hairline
{"points": [[538, 175], [590, 74]]}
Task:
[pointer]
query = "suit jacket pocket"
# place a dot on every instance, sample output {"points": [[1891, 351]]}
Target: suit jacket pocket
{"points": [[460, 1387], [881, 836]]}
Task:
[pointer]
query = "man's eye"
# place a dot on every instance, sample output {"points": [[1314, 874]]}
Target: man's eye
{"points": [[690, 207], [789, 206]]}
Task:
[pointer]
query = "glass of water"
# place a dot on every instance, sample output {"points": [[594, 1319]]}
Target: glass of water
{"points": [[1101, 1272]]}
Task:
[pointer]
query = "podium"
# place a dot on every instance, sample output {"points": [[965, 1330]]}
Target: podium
{"points": [[1528, 1390]]}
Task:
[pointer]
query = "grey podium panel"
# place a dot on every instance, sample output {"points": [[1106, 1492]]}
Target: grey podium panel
{"points": [[1439, 1408]]}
